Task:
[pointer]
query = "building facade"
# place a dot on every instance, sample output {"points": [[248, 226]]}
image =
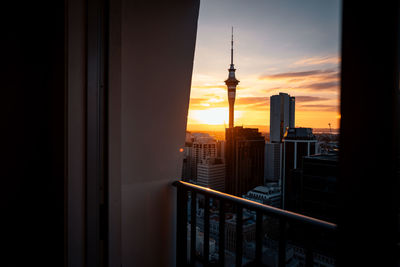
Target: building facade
{"points": [[297, 143], [211, 174], [282, 115], [319, 187], [244, 160], [273, 162]]}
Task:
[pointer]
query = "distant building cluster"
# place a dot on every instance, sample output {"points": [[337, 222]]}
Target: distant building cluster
{"points": [[203, 161]]}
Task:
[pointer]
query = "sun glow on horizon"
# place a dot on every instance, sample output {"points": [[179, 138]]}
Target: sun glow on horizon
{"points": [[211, 116]]}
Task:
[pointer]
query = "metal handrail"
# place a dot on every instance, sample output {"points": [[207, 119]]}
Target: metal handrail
{"points": [[284, 217], [258, 206]]}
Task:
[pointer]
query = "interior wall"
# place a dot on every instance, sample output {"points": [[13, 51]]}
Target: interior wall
{"points": [[148, 112]]}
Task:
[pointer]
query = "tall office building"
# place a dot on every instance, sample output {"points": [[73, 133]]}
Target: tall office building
{"points": [[282, 109], [211, 174], [244, 160], [297, 143], [282, 116]]}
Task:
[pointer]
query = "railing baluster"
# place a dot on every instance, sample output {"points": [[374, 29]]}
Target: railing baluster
{"points": [[206, 229], [221, 232], [308, 248], [181, 246], [193, 233], [239, 235], [259, 237], [282, 242], [284, 217]]}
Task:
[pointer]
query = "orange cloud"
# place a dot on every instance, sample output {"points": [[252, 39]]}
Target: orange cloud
{"points": [[312, 80], [306, 98], [320, 107]]}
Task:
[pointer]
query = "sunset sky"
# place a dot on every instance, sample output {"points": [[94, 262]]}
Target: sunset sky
{"points": [[280, 46]]}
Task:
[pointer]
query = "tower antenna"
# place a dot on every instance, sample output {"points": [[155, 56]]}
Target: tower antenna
{"points": [[232, 47]]}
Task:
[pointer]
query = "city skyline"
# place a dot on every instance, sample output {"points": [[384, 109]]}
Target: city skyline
{"points": [[298, 55]]}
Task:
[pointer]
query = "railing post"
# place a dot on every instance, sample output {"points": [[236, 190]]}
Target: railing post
{"points": [[282, 242], [193, 234], [221, 246], [181, 231], [239, 235], [206, 250], [259, 237]]}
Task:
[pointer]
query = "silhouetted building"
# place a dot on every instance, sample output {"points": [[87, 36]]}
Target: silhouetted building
{"points": [[319, 186], [211, 174], [221, 149], [273, 162], [187, 158], [244, 160], [297, 143]]}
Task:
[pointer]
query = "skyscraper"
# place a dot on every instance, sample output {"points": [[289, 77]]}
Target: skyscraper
{"points": [[231, 83], [244, 160], [282, 108], [297, 143]]}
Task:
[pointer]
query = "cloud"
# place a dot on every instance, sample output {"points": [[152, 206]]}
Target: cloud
{"points": [[298, 74], [319, 107], [318, 60], [252, 103], [311, 80], [252, 100], [322, 86], [196, 101], [305, 98]]}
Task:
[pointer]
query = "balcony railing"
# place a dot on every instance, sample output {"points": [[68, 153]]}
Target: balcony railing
{"points": [[308, 224]]}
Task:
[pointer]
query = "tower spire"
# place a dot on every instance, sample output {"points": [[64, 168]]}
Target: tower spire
{"points": [[232, 48]]}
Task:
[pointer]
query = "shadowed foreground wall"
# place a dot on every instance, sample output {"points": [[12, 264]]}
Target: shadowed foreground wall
{"points": [[149, 101]]}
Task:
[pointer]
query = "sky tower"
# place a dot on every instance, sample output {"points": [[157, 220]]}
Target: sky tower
{"points": [[231, 83]]}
